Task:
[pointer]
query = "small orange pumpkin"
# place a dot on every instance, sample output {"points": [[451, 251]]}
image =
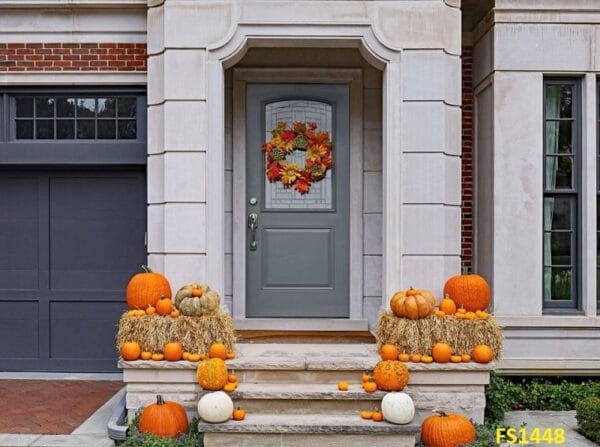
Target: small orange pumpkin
{"points": [[415, 358], [239, 414], [146, 355], [230, 355], [163, 419], [130, 351], [175, 313], [440, 313], [441, 352], [448, 305], [389, 352], [232, 378], [365, 377], [482, 354], [150, 310], [370, 386], [426, 359], [469, 291], [343, 386], [157, 357], [144, 289], [173, 351], [455, 358], [377, 416], [447, 430], [193, 358], [365, 414], [390, 375], [229, 387], [466, 358], [217, 350], [164, 306], [404, 357]]}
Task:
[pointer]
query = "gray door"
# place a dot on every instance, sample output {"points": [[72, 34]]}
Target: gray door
{"points": [[69, 242], [298, 266]]}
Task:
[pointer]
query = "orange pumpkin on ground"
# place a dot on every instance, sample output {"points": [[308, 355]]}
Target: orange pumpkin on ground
{"points": [[164, 419], [173, 351], [217, 350], [130, 350], [212, 374], [164, 306], [391, 375], [448, 305], [469, 291], [441, 352], [447, 430], [482, 354], [144, 289], [413, 303], [389, 352]]}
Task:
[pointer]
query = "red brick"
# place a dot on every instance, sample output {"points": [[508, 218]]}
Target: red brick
{"points": [[467, 157]]}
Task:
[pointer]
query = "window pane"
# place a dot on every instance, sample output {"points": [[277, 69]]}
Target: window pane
{"points": [[24, 107], [127, 107], [65, 107], [106, 129], [558, 213], [127, 129], [559, 137], [44, 129], [24, 129], [86, 129], [107, 107], [65, 129], [559, 249], [559, 101], [559, 172], [557, 284], [44, 107], [86, 107]]}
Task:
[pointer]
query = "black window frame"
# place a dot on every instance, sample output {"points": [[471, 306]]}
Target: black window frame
{"points": [[574, 304], [62, 152]]}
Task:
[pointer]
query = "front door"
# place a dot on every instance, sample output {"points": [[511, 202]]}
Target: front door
{"points": [[297, 245]]}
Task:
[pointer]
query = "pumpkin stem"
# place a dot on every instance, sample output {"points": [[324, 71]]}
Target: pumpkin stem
{"points": [[440, 413], [146, 269], [159, 400]]}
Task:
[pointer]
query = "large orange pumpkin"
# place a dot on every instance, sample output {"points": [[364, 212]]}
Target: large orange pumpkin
{"points": [[391, 375], [469, 291], [413, 303], [145, 289], [130, 350], [441, 352], [212, 374], [164, 419], [447, 430], [173, 351], [482, 354]]}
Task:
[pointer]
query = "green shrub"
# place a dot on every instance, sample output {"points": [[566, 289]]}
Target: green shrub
{"points": [[588, 418], [136, 439]]}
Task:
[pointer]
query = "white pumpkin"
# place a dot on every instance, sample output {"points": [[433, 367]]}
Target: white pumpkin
{"points": [[215, 407], [398, 408]]}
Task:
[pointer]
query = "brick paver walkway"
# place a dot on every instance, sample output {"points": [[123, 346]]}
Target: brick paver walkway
{"points": [[50, 406]]}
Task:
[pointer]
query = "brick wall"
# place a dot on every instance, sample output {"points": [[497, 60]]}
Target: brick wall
{"points": [[467, 159], [72, 57]]}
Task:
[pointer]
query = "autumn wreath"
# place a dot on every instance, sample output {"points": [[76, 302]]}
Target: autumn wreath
{"points": [[299, 137]]}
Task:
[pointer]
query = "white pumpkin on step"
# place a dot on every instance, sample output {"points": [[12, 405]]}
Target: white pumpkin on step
{"points": [[215, 407], [398, 408]]}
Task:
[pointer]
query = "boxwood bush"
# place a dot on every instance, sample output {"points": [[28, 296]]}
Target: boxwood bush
{"points": [[588, 418]]}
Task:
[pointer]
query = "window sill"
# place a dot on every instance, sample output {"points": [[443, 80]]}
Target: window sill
{"points": [[549, 321]]}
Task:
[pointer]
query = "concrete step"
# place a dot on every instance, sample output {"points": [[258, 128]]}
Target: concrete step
{"points": [[320, 430]]}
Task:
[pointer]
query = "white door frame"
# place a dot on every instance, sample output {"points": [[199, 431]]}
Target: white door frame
{"points": [[353, 78]]}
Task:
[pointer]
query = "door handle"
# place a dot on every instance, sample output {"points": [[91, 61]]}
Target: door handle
{"points": [[253, 225]]}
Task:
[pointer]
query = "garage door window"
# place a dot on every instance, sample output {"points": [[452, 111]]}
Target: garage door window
{"points": [[75, 118]]}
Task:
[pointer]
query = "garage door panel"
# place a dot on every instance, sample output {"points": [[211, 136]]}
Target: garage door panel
{"points": [[83, 330], [19, 329], [19, 228]]}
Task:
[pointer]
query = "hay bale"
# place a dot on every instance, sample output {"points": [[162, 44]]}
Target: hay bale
{"points": [[419, 336], [195, 334]]}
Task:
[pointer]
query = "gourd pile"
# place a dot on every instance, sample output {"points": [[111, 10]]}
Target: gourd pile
{"points": [[414, 325], [194, 318]]}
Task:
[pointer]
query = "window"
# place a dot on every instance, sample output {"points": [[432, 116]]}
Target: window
{"points": [[75, 117], [561, 192]]}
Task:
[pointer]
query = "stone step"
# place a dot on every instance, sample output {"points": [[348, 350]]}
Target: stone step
{"points": [[320, 430]]}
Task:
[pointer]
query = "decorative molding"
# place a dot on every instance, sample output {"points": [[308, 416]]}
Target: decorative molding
{"points": [[72, 78]]}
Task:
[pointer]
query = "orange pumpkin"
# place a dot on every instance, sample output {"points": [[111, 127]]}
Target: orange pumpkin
{"points": [[366, 414], [164, 306], [239, 414], [130, 350], [389, 352], [404, 357], [229, 387], [391, 375], [469, 291], [441, 352], [413, 304], [370, 386], [447, 430], [343, 386], [173, 351], [146, 355], [150, 310], [193, 358], [217, 350], [455, 358], [163, 419], [230, 355], [448, 305], [175, 313], [426, 359], [415, 358], [212, 374], [482, 354], [144, 289], [466, 358], [377, 416], [157, 357]]}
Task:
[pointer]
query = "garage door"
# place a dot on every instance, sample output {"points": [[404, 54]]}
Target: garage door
{"points": [[69, 242]]}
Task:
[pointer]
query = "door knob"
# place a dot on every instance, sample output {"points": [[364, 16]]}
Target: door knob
{"points": [[253, 225]]}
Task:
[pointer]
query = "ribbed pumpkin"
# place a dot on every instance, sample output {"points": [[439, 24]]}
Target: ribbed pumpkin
{"points": [[413, 303], [469, 291], [447, 430], [145, 289], [212, 374], [164, 419], [197, 300], [482, 354], [391, 375]]}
